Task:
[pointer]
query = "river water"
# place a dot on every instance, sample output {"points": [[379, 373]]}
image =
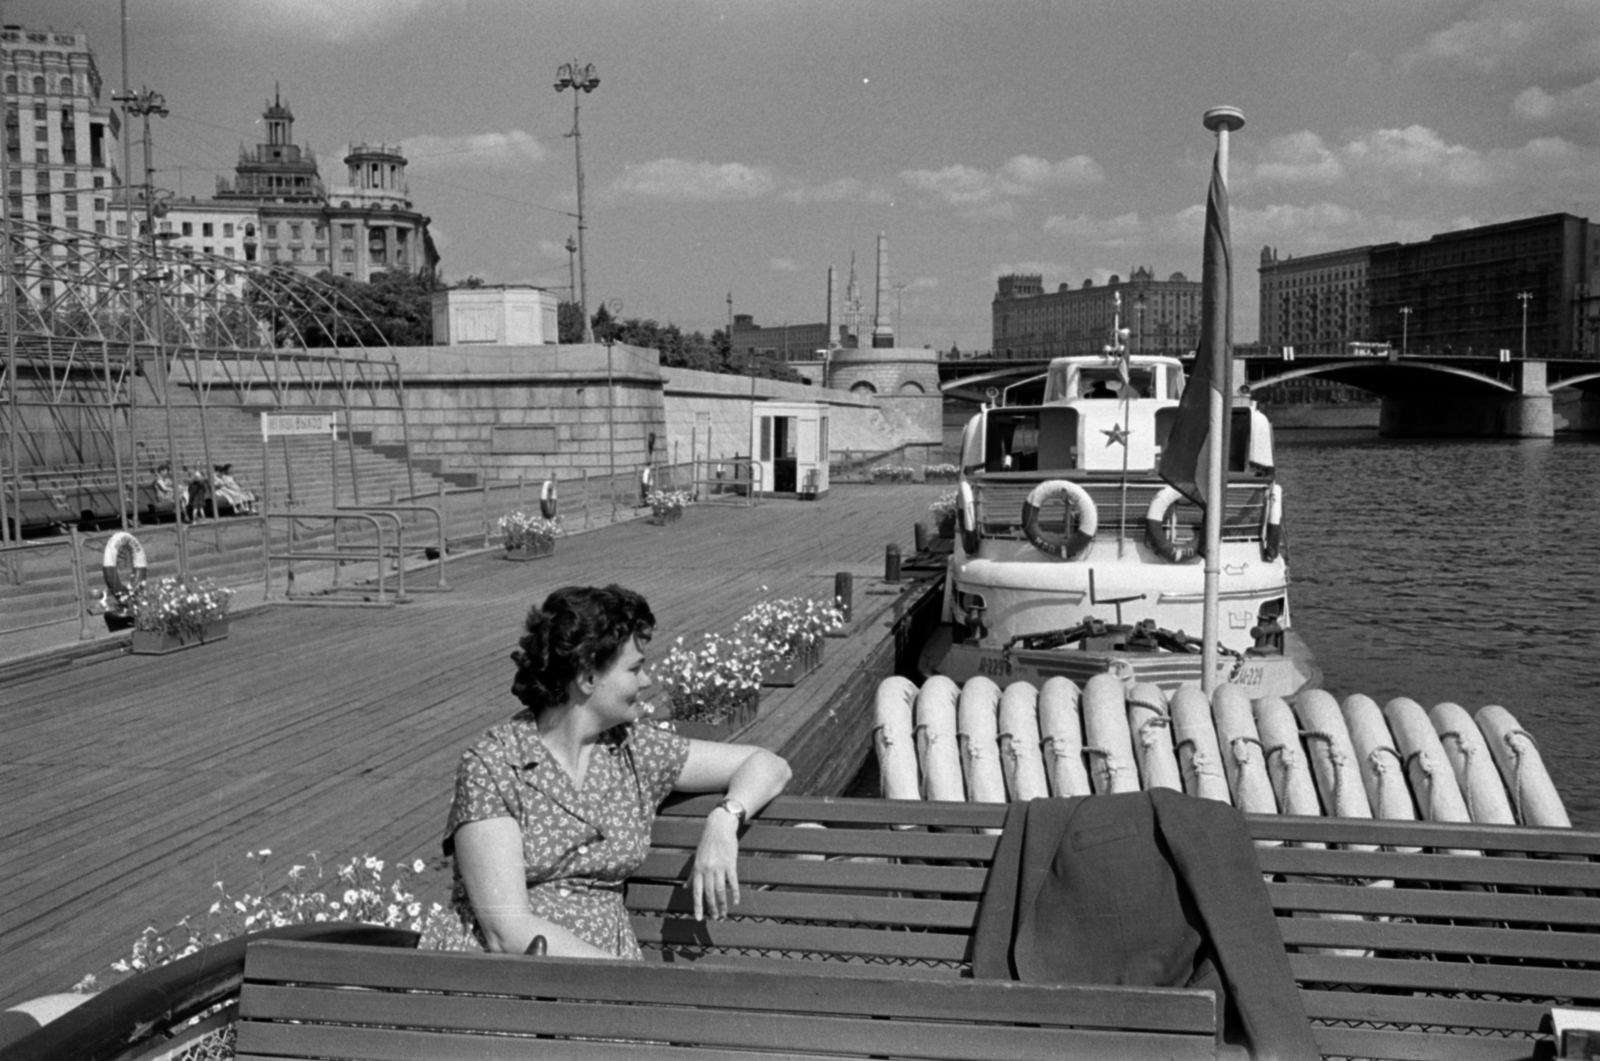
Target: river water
{"points": [[1456, 570]]}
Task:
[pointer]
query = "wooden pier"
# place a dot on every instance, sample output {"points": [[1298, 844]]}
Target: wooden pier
{"points": [[133, 784]]}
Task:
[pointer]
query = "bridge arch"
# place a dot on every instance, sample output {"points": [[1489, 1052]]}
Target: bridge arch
{"points": [[1386, 378]]}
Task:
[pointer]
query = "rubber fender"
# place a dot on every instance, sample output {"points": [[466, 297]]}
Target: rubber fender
{"points": [[1020, 761], [1244, 760], [1150, 727], [1433, 782], [937, 749], [978, 734], [1383, 768], [1195, 740], [1534, 799], [1106, 743], [1334, 764], [1287, 764], [1061, 738], [1469, 757], [892, 737]]}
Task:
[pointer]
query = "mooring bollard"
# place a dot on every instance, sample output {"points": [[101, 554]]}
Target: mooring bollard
{"points": [[919, 535], [891, 563], [843, 592]]}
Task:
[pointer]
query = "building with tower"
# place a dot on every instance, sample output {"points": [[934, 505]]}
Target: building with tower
{"points": [[1028, 322]]}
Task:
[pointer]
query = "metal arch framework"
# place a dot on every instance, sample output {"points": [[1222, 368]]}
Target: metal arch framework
{"points": [[1368, 367], [86, 317]]}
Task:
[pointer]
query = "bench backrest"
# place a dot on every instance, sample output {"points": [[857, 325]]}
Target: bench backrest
{"points": [[309, 1000], [1400, 948]]}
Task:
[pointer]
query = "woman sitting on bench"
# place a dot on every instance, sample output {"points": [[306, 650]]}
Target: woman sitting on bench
{"points": [[230, 495], [553, 808]]}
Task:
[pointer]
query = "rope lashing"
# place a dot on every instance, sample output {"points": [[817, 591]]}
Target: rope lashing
{"points": [[1336, 758], [1200, 761], [1516, 760], [1108, 763], [1469, 751]]}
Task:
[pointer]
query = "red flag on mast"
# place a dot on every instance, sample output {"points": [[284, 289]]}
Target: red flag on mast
{"points": [[1183, 458]]}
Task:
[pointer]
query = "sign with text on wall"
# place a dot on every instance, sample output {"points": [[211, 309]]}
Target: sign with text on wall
{"points": [[297, 424]]}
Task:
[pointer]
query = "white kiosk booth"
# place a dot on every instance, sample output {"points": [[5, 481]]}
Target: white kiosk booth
{"points": [[790, 443]]}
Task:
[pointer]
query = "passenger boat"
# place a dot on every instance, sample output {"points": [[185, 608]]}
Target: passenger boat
{"points": [[1073, 558]]}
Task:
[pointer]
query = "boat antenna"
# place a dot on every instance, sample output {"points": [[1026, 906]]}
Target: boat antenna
{"points": [[1118, 350]]}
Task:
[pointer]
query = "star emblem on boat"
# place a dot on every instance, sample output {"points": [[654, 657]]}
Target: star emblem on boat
{"points": [[1117, 436]]}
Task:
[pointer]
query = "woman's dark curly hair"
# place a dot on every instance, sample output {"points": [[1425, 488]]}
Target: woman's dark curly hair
{"points": [[578, 630]]}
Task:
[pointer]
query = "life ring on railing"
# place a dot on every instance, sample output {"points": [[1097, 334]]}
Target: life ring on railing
{"points": [[1068, 547], [115, 546], [967, 517], [549, 503], [1272, 524], [1155, 528], [646, 479]]}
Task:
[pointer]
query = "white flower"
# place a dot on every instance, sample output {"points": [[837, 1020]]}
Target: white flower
{"points": [[418, 866]]}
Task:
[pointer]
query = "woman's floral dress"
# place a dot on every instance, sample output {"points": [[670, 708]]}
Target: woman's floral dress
{"points": [[578, 845]]}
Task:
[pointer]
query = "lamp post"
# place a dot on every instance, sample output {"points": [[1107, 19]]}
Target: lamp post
{"points": [[580, 79], [572, 283], [1405, 328], [1525, 297]]}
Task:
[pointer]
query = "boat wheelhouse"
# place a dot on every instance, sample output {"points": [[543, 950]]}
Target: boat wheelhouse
{"points": [[1074, 558]]}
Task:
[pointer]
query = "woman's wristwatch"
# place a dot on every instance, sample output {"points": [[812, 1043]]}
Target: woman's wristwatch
{"points": [[733, 807]]}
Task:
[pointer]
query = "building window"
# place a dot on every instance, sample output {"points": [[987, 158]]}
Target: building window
{"points": [[294, 252], [347, 232], [188, 228], [348, 254], [272, 231], [166, 226], [41, 156], [100, 205], [294, 232], [205, 230], [99, 182], [322, 254], [122, 228], [72, 220], [227, 229], [72, 202], [209, 250], [11, 84], [227, 252], [66, 86], [99, 227], [69, 180], [38, 86], [322, 232]]}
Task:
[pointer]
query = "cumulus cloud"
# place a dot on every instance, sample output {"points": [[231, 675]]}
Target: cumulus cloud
{"points": [[1299, 158], [1518, 36], [1581, 103], [1024, 175], [679, 180], [514, 148], [1378, 160]]}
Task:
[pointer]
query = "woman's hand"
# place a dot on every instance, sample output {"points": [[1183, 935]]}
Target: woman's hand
{"points": [[716, 866]]}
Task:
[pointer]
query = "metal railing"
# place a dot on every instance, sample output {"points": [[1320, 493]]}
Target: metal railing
{"points": [[340, 554], [732, 480]]}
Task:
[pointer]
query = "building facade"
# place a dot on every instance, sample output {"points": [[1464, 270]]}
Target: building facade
{"points": [[1528, 284], [1162, 316], [1317, 304], [62, 138]]}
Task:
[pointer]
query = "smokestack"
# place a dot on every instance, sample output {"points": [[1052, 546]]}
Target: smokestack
{"points": [[882, 331]]}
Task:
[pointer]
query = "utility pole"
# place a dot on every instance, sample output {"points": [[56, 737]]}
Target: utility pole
{"points": [[1525, 297], [1405, 328]]}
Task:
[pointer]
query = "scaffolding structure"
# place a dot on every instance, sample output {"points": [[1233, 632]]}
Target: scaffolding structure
{"points": [[104, 334]]}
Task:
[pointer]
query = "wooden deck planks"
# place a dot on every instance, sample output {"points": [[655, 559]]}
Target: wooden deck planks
{"points": [[133, 784]]}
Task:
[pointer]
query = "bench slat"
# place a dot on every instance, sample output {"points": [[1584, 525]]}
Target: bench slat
{"points": [[830, 967], [814, 906], [840, 810], [849, 876], [1410, 1009], [1464, 976], [1436, 903], [1420, 1046], [837, 842], [1455, 869], [740, 935], [1461, 835], [1441, 939]]}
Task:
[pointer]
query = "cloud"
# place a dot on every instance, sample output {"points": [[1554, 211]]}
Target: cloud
{"points": [[335, 20], [845, 189], [970, 187], [1378, 160], [782, 265], [1419, 154], [1530, 37], [474, 150], [678, 180], [1299, 158], [1581, 103], [1120, 231]]}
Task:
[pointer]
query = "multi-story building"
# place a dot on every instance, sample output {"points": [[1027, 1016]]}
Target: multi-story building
{"points": [[1316, 304], [62, 138], [1162, 316], [1482, 290]]}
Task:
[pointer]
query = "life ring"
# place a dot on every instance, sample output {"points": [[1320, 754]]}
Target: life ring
{"points": [[1272, 524], [646, 479], [1155, 528], [115, 546], [549, 504], [967, 517], [1072, 546]]}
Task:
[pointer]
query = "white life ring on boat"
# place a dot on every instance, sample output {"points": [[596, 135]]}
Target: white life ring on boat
{"points": [[115, 546], [1272, 524], [967, 517], [549, 504], [646, 480], [1072, 546], [1155, 528]]}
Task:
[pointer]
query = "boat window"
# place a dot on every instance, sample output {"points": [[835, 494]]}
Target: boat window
{"points": [[1059, 384], [1245, 448], [1107, 383], [1012, 441]]}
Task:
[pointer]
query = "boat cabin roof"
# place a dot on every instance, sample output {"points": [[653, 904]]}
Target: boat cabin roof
{"points": [[1072, 378]]}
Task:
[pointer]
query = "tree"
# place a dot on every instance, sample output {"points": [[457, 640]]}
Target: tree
{"points": [[396, 309]]}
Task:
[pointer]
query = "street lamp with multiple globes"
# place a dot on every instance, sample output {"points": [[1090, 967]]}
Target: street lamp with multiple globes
{"points": [[580, 79], [1525, 297]]}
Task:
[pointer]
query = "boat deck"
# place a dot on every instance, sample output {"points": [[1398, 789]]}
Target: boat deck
{"points": [[134, 783]]}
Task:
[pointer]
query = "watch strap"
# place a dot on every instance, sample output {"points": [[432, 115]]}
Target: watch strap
{"points": [[735, 808]]}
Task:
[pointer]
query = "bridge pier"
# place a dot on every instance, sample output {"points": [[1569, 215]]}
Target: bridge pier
{"points": [[1528, 413]]}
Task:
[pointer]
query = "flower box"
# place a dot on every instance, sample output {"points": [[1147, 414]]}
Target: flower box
{"points": [[161, 642], [661, 519], [528, 537], [695, 723], [789, 672], [533, 551], [944, 525]]}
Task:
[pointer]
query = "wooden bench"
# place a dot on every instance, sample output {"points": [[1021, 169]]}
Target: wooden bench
{"points": [[312, 1000], [1404, 952]]}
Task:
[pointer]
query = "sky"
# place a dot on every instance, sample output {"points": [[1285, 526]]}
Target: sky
{"points": [[743, 146]]}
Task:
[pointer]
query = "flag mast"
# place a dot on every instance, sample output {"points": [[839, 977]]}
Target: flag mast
{"points": [[1222, 121]]}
